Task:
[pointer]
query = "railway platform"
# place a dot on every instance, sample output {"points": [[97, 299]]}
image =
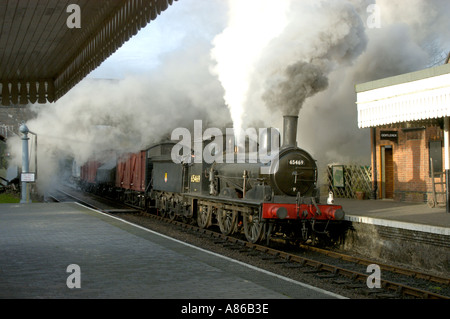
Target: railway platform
{"points": [[406, 215], [66, 250], [409, 233]]}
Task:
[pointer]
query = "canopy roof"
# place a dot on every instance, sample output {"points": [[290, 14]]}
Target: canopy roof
{"points": [[41, 57], [413, 97]]}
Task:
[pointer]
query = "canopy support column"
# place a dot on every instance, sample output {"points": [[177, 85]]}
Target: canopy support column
{"points": [[447, 161]]}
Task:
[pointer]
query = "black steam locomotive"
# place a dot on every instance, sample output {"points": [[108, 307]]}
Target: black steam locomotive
{"points": [[276, 197]]}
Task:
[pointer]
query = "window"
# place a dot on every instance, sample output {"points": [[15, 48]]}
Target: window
{"points": [[436, 156]]}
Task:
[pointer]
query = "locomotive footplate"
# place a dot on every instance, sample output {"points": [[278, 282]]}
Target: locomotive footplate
{"points": [[220, 199]]}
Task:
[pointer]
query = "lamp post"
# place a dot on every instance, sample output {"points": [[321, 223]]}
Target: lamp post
{"points": [[25, 164], [26, 176]]}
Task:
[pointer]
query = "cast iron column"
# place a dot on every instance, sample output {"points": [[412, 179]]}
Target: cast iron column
{"points": [[25, 164]]}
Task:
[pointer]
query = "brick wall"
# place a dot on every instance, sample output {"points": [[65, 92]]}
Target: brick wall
{"points": [[411, 162]]}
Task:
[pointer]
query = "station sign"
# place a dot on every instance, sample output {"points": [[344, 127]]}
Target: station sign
{"points": [[28, 177], [389, 135]]}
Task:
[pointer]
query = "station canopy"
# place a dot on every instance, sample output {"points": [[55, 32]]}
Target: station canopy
{"points": [[421, 97], [46, 47]]}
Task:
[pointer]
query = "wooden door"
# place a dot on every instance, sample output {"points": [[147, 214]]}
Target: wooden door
{"points": [[389, 173]]}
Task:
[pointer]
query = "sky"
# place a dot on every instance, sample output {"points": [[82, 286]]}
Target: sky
{"points": [[246, 63], [184, 21]]}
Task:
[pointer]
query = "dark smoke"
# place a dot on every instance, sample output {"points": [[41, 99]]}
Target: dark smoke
{"points": [[335, 36], [302, 80]]}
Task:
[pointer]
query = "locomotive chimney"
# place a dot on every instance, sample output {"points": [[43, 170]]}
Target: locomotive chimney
{"points": [[290, 130]]}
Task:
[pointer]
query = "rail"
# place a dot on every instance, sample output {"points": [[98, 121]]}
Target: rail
{"points": [[318, 266]]}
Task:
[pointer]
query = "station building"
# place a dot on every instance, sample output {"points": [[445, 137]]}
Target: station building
{"points": [[408, 116]]}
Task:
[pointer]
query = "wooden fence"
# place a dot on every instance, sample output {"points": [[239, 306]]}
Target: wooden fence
{"points": [[345, 180]]}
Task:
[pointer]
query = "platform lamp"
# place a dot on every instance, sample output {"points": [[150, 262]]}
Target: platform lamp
{"points": [[26, 176]]}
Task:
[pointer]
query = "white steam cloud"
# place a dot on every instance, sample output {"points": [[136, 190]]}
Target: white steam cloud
{"points": [[289, 64], [129, 114], [326, 47], [265, 59], [252, 25]]}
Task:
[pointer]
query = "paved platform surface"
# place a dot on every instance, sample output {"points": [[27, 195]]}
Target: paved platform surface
{"points": [[118, 260], [413, 216]]}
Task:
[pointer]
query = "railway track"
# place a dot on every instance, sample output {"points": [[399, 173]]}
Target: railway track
{"points": [[341, 269], [322, 269], [383, 267]]}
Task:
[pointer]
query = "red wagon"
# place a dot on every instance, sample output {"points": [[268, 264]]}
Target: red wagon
{"points": [[131, 171], [131, 177]]}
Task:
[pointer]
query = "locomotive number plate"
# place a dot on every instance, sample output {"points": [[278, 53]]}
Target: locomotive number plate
{"points": [[195, 178], [296, 162]]}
